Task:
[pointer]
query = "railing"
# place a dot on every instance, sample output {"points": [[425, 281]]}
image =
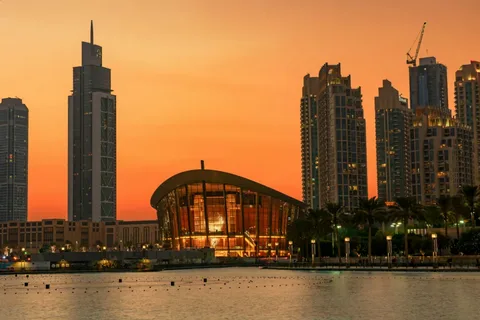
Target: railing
{"points": [[418, 262]]}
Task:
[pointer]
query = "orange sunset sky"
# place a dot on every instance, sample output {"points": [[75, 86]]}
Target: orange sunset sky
{"points": [[218, 80]]}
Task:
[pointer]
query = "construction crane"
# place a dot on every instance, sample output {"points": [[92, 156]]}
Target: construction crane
{"points": [[413, 60]]}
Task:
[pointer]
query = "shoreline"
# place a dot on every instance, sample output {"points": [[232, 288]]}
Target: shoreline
{"points": [[217, 266], [376, 269]]}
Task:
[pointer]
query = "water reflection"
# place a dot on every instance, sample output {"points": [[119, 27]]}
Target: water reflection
{"points": [[242, 293]]}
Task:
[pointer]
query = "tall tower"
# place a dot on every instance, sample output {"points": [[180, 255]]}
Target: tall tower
{"points": [[91, 139], [13, 160], [467, 107], [334, 157], [392, 128], [309, 141], [429, 85]]}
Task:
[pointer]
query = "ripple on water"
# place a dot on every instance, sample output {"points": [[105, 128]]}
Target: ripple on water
{"points": [[242, 293]]}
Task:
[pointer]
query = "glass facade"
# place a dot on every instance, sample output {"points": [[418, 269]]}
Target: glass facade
{"points": [[92, 140], [14, 155], [393, 120], [235, 221]]}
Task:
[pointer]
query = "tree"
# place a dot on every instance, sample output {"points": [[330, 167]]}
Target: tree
{"points": [[433, 216], [300, 231], [406, 208], [367, 214], [318, 226], [445, 204], [470, 195], [459, 211], [469, 243], [334, 214]]}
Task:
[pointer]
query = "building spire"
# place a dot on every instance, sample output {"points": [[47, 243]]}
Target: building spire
{"points": [[91, 31]]}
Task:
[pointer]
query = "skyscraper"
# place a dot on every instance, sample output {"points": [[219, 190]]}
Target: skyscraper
{"points": [[467, 107], [13, 160], [441, 155], [334, 160], [91, 139], [428, 85], [392, 128], [309, 141]]}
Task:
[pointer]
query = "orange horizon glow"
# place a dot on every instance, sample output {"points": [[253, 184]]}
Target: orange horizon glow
{"points": [[214, 80]]}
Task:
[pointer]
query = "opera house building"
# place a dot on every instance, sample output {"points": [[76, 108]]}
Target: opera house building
{"points": [[234, 215]]}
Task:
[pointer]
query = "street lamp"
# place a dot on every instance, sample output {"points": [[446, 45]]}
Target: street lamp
{"points": [[276, 251], [269, 252], [347, 250], [290, 248], [389, 251], [435, 248], [313, 251]]}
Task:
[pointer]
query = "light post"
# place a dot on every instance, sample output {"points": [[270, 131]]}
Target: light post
{"points": [[398, 224], [389, 251], [435, 249], [290, 248], [347, 251], [276, 251], [104, 252], [313, 251], [269, 251]]}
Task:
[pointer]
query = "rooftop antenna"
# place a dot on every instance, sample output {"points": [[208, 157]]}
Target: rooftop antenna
{"points": [[91, 32]]}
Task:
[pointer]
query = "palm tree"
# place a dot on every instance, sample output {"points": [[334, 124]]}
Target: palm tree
{"points": [[300, 231], [445, 204], [367, 214], [406, 208], [459, 211], [334, 214], [470, 195], [319, 226]]}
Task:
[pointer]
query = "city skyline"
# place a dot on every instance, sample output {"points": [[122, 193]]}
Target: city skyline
{"points": [[179, 84]]}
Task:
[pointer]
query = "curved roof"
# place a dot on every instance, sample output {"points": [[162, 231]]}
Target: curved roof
{"points": [[213, 176]]}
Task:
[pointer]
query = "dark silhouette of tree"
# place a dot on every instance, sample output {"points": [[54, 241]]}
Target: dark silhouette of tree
{"points": [[334, 214], [470, 195], [459, 210], [444, 203], [300, 231], [369, 211], [319, 226], [406, 208], [433, 216]]}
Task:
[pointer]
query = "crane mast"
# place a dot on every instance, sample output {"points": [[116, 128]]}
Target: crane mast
{"points": [[413, 60]]}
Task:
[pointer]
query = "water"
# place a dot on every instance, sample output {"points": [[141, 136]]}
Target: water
{"points": [[242, 293]]}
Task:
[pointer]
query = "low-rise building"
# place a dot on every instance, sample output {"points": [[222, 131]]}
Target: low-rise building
{"points": [[77, 235]]}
